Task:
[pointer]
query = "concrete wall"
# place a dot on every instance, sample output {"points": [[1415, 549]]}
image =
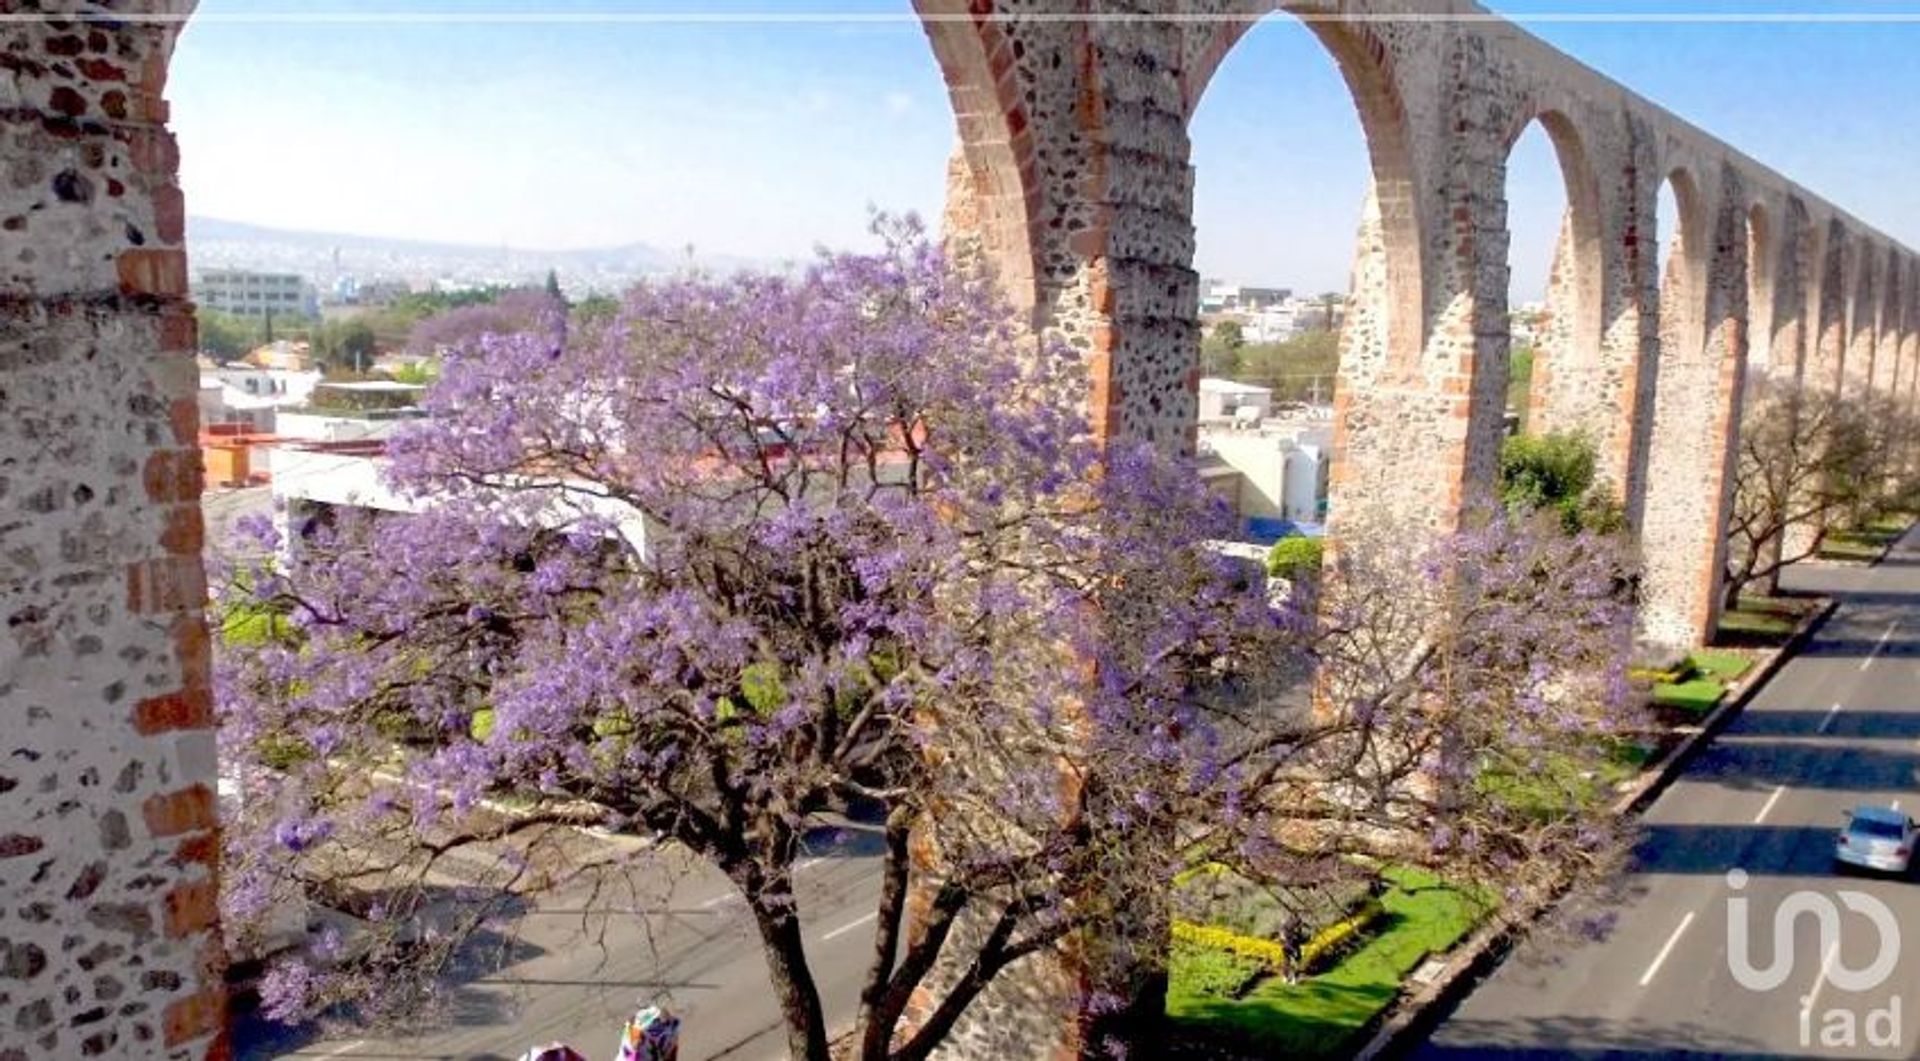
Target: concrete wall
{"points": [[107, 846]]}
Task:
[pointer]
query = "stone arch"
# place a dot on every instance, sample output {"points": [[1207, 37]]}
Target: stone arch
{"points": [[992, 189], [1393, 208], [1679, 314], [1562, 394]]}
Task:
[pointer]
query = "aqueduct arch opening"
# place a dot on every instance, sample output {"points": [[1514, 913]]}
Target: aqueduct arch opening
{"points": [[1325, 224], [1561, 389]]}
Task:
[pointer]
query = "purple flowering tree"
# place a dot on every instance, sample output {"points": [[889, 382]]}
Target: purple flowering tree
{"points": [[519, 310], [754, 550]]}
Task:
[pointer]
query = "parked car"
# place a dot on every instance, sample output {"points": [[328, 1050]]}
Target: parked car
{"points": [[1876, 838]]}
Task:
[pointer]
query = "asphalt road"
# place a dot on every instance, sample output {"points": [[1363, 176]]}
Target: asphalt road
{"points": [[1837, 726], [577, 965]]}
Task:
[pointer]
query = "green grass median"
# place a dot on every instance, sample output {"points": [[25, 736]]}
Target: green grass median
{"points": [[1320, 1016]]}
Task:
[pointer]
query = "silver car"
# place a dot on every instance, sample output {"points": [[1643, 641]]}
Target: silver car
{"points": [[1877, 838]]}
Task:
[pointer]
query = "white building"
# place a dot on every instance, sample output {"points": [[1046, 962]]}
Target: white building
{"points": [[239, 392], [1224, 399], [1227, 298], [1271, 472], [311, 425], [310, 478], [254, 294]]}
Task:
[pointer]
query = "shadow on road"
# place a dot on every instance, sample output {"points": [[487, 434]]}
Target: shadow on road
{"points": [[1588, 1038], [1760, 850], [1852, 723], [1813, 764]]}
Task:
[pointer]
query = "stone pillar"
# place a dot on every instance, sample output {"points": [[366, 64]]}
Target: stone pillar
{"points": [[1073, 175], [1786, 316], [1829, 345], [1886, 342], [1696, 413], [1856, 367], [108, 848], [1907, 387]]}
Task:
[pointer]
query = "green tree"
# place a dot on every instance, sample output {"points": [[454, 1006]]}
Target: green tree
{"points": [[553, 287], [1220, 350], [344, 346], [1296, 557], [227, 336], [1300, 368], [1520, 383], [595, 308], [419, 372], [1556, 472]]}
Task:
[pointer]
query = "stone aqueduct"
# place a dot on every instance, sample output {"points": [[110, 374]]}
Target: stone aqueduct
{"points": [[1073, 173]]}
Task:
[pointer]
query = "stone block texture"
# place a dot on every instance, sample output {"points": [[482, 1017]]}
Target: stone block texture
{"points": [[107, 773]]}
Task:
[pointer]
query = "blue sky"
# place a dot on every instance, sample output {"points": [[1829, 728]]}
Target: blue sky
{"points": [[765, 138]]}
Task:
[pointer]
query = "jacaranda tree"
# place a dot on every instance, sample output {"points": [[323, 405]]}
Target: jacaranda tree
{"points": [[755, 550]]}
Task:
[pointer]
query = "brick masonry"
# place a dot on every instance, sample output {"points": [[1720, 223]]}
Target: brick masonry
{"points": [[1074, 175], [107, 817]]}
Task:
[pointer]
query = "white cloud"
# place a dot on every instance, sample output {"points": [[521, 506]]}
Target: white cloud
{"points": [[898, 103]]}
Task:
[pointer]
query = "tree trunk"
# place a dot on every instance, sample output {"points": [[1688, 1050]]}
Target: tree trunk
{"points": [[774, 912]]}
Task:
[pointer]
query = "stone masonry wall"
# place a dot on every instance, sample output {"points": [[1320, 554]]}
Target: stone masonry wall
{"points": [[1101, 176], [107, 844], [1075, 157]]}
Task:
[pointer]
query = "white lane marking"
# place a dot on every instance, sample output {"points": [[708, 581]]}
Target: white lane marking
{"points": [[807, 863], [1778, 791], [719, 900], [1828, 721], [849, 927], [1826, 967], [1868, 662], [1661, 958], [344, 1049]]}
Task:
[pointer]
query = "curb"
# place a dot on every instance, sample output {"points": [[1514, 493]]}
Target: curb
{"points": [[1417, 1013]]}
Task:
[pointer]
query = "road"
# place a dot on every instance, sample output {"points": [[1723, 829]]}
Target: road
{"points": [[578, 965], [1837, 726]]}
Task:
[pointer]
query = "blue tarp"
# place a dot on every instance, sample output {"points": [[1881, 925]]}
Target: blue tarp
{"points": [[1265, 530]]}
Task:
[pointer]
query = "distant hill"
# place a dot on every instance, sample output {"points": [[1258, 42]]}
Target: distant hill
{"points": [[217, 241]]}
